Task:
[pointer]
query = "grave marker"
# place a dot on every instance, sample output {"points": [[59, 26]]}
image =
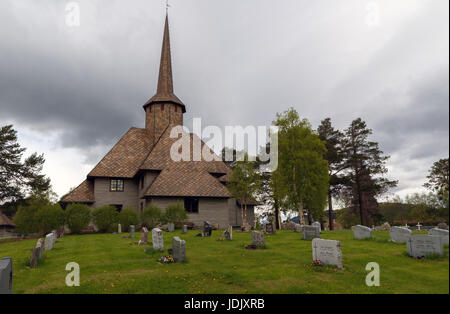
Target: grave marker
{"points": [[400, 234], [328, 252], [49, 241], [362, 232], [144, 235], [440, 233], [424, 245], [157, 239], [258, 238], [310, 232], [6, 275], [132, 230], [179, 250], [171, 227]]}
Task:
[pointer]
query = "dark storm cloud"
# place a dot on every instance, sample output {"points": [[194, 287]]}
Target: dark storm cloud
{"points": [[235, 62]]}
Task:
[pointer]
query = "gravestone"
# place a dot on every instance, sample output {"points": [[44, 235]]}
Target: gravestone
{"points": [[228, 234], [171, 227], [207, 229], [246, 227], [269, 228], [144, 235], [258, 238], [440, 233], [423, 245], [132, 230], [49, 241], [310, 232], [179, 249], [55, 235], [157, 239], [328, 252], [36, 254], [400, 234], [6, 275], [442, 226], [317, 224], [184, 229], [119, 228], [362, 232], [41, 244], [298, 228]]}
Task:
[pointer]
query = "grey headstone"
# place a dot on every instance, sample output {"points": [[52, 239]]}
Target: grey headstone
{"points": [[41, 245], [442, 226], [184, 229], [400, 234], [423, 245], [6, 275], [179, 249], [362, 232], [298, 228], [171, 227], [119, 228], [258, 238], [317, 224], [228, 234], [144, 235], [269, 228], [157, 239], [55, 235], [310, 232], [49, 241], [440, 233], [327, 251], [132, 231], [36, 254]]}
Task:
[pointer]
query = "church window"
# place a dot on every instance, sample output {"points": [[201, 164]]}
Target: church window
{"points": [[191, 205], [116, 185]]}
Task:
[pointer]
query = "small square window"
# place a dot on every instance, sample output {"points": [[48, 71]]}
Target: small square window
{"points": [[191, 205], [116, 185]]}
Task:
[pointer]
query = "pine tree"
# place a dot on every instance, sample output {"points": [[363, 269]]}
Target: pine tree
{"points": [[19, 179]]}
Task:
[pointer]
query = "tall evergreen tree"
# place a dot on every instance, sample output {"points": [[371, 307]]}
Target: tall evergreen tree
{"points": [[365, 178], [333, 140], [19, 179], [438, 177]]}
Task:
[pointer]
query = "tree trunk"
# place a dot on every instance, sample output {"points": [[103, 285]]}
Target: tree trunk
{"points": [[242, 214], [330, 211], [277, 215]]}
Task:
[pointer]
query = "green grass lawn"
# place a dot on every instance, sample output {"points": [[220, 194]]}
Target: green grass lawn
{"points": [[111, 264]]}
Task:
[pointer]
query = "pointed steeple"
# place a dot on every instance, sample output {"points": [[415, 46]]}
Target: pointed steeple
{"points": [[165, 92]]}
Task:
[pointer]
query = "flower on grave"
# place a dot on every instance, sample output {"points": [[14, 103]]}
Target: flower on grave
{"points": [[166, 260], [317, 263]]}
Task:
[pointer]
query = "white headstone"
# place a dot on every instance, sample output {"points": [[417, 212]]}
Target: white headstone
{"points": [[328, 252], [179, 249], [171, 227], [440, 233], [317, 224], [157, 239], [297, 228], [310, 232], [362, 232], [400, 234], [144, 235], [49, 241], [119, 228], [424, 245]]}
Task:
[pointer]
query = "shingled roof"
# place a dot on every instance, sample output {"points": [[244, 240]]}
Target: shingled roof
{"points": [[5, 221], [126, 157], [182, 180], [84, 193]]}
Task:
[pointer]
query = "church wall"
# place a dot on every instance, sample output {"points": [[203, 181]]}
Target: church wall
{"points": [[126, 198], [213, 210]]}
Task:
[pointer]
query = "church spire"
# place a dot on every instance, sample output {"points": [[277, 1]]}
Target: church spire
{"points": [[165, 92]]}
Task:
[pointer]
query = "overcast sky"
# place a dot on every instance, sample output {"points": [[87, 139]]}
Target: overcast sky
{"points": [[72, 92]]}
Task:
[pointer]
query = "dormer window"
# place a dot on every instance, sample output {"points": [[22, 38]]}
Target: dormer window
{"points": [[116, 185]]}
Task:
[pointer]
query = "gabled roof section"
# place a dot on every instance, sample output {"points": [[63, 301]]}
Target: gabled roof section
{"points": [[165, 81], [159, 158], [126, 157], [181, 180], [5, 221], [84, 193]]}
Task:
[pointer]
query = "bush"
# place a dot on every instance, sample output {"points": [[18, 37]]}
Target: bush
{"points": [[50, 217], [78, 217], [105, 218], [151, 217], [175, 213], [128, 217], [25, 218]]}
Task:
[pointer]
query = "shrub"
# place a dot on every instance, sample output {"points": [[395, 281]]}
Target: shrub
{"points": [[25, 218], [77, 217], [128, 217], [105, 218], [151, 216], [175, 213], [50, 217]]}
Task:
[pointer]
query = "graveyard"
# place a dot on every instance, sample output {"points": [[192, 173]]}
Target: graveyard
{"points": [[113, 263]]}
